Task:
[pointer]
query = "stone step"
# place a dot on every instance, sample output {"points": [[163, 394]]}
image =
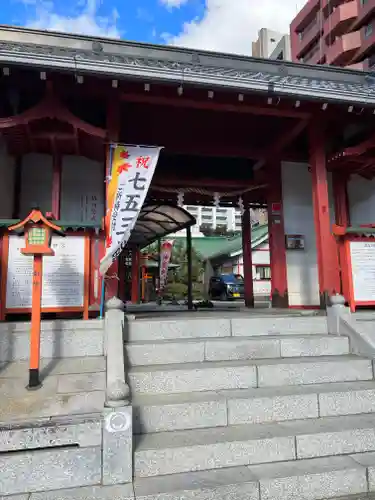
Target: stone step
{"points": [[234, 348], [177, 452], [306, 480], [63, 453], [70, 386], [221, 375], [170, 412], [141, 330]]}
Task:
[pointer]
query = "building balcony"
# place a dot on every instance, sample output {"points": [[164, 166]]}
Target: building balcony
{"points": [[343, 49], [361, 66], [366, 10], [305, 15], [367, 47], [315, 55], [308, 37], [341, 19]]}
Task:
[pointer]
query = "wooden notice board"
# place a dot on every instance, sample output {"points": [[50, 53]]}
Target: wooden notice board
{"points": [[66, 275]]}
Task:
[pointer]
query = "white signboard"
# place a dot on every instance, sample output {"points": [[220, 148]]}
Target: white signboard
{"points": [[63, 274], [363, 270]]}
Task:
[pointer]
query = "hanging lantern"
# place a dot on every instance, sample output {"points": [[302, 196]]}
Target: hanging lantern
{"points": [[217, 200], [180, 198], [241, 205]]}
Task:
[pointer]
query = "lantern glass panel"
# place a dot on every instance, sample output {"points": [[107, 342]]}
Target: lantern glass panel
{"points": [[37, 236]]}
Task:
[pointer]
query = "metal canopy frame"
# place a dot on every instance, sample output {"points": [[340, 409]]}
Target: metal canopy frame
{"points": [[157, 220]]}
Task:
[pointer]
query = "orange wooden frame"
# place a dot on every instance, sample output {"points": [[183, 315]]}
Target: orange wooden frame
{"points": [[95, 276], [86, 281]]}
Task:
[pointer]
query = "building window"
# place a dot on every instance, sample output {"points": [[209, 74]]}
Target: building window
{"points": [[263, 272], [363, 2], [368, 30]]}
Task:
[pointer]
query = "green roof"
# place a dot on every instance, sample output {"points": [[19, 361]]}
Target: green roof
{"points": [[211, 247]]}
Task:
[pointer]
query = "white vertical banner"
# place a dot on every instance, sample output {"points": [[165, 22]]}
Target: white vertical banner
{"points": [[165, 257], [132, 169]]}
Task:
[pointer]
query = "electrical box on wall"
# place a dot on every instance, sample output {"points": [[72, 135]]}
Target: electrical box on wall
{"points": [[294, 242]]}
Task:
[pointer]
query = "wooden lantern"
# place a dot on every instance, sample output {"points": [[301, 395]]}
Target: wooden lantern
{"points": [[38, 235]]}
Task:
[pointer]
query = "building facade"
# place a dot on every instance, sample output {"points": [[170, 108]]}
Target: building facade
{"points": [[272, 44], [226, 218], [341, 33], [317, 166]]}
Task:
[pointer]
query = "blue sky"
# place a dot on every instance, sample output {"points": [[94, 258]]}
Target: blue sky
{"points": [[224, 25]]}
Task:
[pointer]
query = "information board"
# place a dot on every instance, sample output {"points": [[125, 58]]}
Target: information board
{"points": [[362, 255], [63, 274]]}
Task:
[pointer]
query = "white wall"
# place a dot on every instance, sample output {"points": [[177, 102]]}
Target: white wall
{"points": [[82, 187], [302, 268], [7, 170], [82, 190], [361, 195], [36, 183]]}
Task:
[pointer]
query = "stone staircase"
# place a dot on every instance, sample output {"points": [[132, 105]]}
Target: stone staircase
{"points": [[255, 409]]}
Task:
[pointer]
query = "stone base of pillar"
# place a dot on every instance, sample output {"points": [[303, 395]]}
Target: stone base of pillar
{"points": [[324, 300], [118, 446], [250, 302], [280, 301]]}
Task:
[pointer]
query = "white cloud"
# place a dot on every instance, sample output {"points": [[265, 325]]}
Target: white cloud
{"points": [[231, 25], [171, 4], [85, 20]]}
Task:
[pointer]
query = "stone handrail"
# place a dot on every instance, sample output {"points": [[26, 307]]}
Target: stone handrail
{"points": [[342, 322], [117, 390]]}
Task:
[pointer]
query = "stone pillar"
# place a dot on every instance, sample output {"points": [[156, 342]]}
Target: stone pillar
{"points": [[118, 419], [328, 266], [117, 392], [247, 259]]}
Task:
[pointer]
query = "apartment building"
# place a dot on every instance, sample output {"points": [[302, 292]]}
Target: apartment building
{"points": [[272, 45], [337, 32], [230, 218]]}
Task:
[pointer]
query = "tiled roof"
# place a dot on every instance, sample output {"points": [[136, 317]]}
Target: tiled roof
{"points": [[123, 59], [209, 247]]}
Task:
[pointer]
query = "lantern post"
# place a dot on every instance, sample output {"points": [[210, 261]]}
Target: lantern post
{"points": [[38, 232]]}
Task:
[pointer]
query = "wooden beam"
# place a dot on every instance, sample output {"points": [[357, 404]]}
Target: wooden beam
{"points": [[182, 102], [284, 140], [361, 148], [288, 137], [171, 181]]}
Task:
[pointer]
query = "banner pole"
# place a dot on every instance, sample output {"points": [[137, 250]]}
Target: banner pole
{"points": [[108, 173]]}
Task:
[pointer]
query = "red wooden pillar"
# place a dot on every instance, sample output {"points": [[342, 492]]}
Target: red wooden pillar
{"points": [[113, 132], [276, 232], [342, 218], [247, 259], [339, 181], [328, 266], [135, 276]]}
